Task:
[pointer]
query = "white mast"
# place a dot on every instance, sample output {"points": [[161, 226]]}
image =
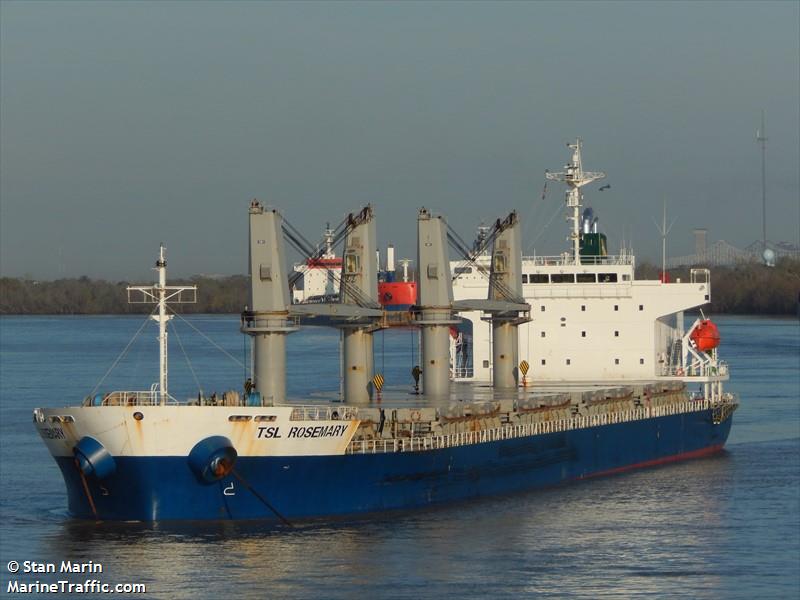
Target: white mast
{"points": [[160, 294], [664, 231], [329, 235], [575, 178], [404, 262]]}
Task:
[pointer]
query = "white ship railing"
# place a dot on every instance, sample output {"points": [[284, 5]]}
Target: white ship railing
{"points": [[130, 398], [702, 370], [312, 412], [700, 275], [568, 260], [464, 438]]}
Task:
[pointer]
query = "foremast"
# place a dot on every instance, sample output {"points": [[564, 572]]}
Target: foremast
{"points": [[160, 294], [575, 178]]}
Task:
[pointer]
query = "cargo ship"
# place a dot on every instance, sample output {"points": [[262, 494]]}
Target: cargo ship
{"points": [[252, 454], [316, 279]]}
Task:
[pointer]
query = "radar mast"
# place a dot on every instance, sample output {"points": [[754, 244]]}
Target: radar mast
{"points": [[160, 294], [575, 178]]}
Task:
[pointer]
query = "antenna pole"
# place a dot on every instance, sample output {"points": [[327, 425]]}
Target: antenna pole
{"points": [[575, 178], [161, 294], [664, 231], [163, 319], [761, 137]]}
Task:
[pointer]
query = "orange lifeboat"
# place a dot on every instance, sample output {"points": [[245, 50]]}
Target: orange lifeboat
{"points": [[705, 336]]}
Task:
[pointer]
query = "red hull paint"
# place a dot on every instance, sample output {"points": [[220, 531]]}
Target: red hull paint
{"points": [[658, 461], [397, 292]]}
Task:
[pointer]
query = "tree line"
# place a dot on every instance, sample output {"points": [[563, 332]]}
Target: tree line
{"points": [[748, 288], [85, 296]]}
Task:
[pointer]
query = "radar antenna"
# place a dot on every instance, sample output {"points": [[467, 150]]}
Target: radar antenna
{"points": [[575, 178]]}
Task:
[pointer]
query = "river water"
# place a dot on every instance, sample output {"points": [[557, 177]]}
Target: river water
{"points": [[727, 526]]}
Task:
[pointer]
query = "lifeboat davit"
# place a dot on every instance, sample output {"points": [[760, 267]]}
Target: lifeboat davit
{"points": [[705, 336]]}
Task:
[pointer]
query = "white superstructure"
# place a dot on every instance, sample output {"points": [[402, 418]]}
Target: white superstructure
{"points": [[591, 320], [320, 276]]}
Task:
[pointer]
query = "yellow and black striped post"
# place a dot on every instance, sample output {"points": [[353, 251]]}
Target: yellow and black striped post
{"points": [[523, 367], [377, 381]]}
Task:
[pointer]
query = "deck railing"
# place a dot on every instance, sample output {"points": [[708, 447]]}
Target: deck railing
{"points": [[568, 260], [463, 372], [323, 413], [130, 398], [702, 370], [434, 442]]}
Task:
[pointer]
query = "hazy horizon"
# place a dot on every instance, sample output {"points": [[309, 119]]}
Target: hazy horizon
{"points": [[126, 124]]}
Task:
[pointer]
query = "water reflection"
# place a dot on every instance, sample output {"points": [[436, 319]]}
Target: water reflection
{"points": [[647, 531]]}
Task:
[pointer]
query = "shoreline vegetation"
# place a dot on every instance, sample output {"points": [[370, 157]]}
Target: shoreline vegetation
{"points": [[748, 288]]}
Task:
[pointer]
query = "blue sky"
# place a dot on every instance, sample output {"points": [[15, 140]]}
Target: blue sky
{"points": [[129, 123]]}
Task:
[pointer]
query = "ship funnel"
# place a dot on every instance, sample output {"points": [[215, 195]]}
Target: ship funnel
{"points": [[267, 319], [390, 259], [587, 220]]}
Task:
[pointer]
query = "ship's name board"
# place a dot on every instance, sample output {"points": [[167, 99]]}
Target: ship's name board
{"points": [[318, 431]]}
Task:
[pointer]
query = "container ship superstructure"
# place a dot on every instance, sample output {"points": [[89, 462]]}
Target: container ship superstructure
{"points": [[252, 454]]}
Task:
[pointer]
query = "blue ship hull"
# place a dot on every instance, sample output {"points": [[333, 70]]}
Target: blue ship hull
{"points": [[304, 487]]}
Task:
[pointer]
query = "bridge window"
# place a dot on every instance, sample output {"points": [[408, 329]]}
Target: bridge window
{"points": [[607, 277], [586, 278], [538, 278], [467, 270], [563, 278], [524, 279]]}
